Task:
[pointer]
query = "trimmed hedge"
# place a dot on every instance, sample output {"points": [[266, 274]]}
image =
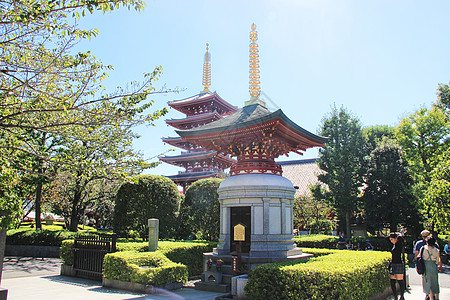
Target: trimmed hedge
{"points": [[186, 253], [317, 241], [127, 266], [341, 275], [331, 242], [66, 252], [189, 254], [38, 238]]}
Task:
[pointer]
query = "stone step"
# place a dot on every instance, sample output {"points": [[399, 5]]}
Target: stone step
{"points": [[212, 287]]}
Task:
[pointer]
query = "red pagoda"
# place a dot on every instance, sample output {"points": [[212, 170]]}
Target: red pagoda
{"points": [[256, 201], [200, 110]]}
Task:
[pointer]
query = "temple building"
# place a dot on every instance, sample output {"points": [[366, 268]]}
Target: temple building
{"points": [[201, 109], [256, 201]]}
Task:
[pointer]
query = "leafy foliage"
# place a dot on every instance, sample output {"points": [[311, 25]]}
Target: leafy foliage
{"points": [[313, 215], [144, 197], [388, 195], [201, 205], [343, 160], [437, 198], [423, 137], [52, 102]]}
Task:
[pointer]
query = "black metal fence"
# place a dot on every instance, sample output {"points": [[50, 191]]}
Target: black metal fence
{"points": [[88, 254]]}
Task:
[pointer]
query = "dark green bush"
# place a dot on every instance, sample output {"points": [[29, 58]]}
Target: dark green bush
{"points": [[201, 204], [38, 238], [127, 266], [145, 197], [341, 275]]}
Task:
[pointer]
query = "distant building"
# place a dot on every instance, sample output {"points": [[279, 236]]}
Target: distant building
{"points": [[302, 173]]}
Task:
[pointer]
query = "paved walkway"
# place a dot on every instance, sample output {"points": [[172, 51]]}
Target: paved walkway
{"points": [[38, 278]]}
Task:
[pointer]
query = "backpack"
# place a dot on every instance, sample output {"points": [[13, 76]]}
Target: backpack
{"points": [[420, 265]]}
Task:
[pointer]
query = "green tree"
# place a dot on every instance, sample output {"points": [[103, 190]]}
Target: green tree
{"points": [[423, 137], [343, 160], [377, 135], [437, 197], [144, 197], [388, 196], [313, 215], [203, 208]]}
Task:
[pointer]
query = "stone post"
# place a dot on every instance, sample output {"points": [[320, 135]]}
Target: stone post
{"points": [[153, 232]]}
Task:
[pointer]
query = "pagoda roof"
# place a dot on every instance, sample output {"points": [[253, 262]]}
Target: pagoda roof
{"points": [[194, 176], [179, 142], [181, 105], [249, 121], [196, 156], [178, 123]]}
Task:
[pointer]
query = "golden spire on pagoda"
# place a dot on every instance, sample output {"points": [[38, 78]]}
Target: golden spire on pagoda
{"points": [[206, 71], [254, 87]]}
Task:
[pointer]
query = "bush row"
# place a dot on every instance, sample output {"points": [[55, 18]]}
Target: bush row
{"points": [[152, 268], [331, 242], [38, 238], [338, 275], [189, 254]]}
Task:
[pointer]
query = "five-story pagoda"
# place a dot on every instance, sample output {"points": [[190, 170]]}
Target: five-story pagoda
{"points": [[200, 109], [256, 202]]}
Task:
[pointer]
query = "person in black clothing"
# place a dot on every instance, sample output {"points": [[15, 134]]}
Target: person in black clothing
{"points": [[397, 269]]}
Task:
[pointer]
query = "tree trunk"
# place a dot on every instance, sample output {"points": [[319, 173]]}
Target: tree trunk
{"points": [[74, 213], [2, 250], [347, 224], [37, 206]]}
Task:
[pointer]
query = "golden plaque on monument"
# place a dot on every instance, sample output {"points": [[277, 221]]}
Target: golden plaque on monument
{"points": [[239, 233]]}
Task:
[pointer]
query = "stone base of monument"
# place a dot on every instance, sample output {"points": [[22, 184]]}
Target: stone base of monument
{"points": [[246, 263], [256, 225]]}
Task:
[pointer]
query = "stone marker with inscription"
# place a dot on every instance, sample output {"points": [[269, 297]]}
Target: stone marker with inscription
{"points": [[153, 232]]}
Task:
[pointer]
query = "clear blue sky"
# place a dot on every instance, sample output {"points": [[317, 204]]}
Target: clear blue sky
{"points": [[380, 59]]}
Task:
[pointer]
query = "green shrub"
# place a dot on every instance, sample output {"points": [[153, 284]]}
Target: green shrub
{"points": [[189, 254], [145, 197], [38, 238], [316, 241], [127, 266], [342, 275], [66, 252], [201, 206]]}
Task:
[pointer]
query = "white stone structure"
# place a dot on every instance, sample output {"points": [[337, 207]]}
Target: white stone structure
{"points": [[270, 198]]}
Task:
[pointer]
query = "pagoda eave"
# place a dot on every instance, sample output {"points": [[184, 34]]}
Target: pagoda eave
{"points": [[183, 104]]}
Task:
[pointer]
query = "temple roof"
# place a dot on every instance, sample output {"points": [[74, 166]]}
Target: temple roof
{"points": [[193, 176], [192, 120], [203, 98], [179, 142], [247, 116], [196, 156], [302, 173], [247, 121]]}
